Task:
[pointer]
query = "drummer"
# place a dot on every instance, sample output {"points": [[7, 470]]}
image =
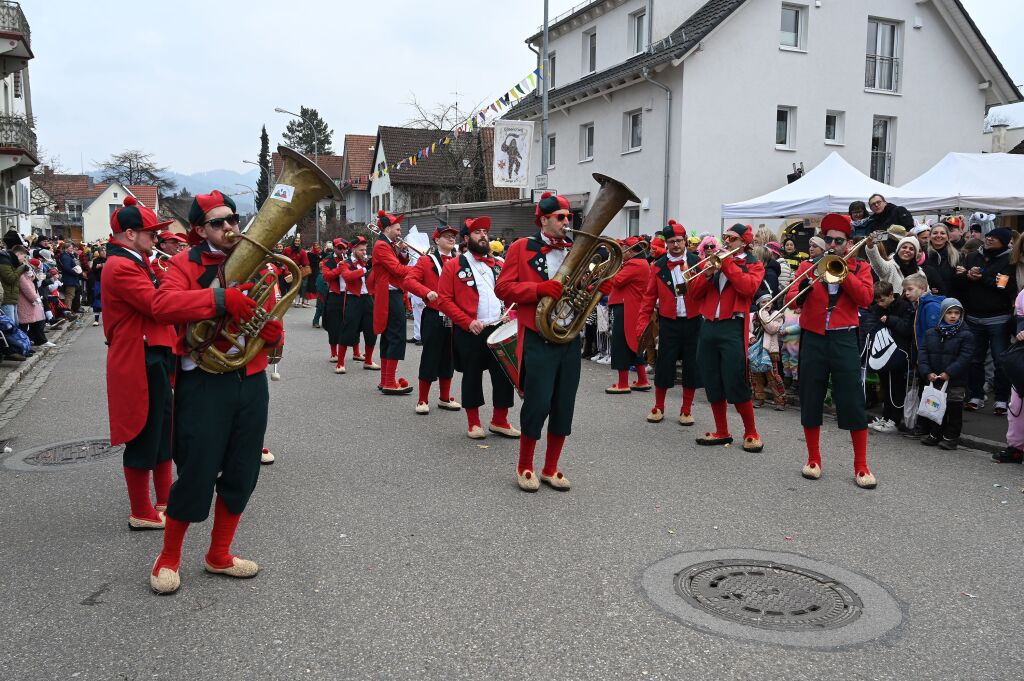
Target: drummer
{"points": [[466, 296]]}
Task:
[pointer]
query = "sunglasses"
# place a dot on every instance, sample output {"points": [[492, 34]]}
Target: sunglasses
{"points": [[561, 217], [837, 240], [218, 223], [730, 238]]}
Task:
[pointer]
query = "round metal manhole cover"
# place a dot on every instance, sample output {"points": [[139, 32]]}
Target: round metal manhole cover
{"points": [[772, 597], [768, 595], [62, 455]]}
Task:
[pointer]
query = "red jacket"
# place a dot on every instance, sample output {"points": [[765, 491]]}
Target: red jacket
{"points": [[628, 287], [353, 273], [744, 278], [457, 296], [661, 290], [423, 278], [389, 268], [191, 292], [332, 268], [297, 255], [129, 287], [856, 291]]}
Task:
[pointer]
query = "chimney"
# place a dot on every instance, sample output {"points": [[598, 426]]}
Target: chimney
{"points": [[999, 138]]}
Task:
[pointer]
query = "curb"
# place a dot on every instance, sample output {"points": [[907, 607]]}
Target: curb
{"points": [[25, 367], [980, 443]]}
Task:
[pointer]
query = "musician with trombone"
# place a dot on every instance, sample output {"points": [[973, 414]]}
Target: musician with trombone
{"points": [[436, 361], [466, 295], [625, 294], [724, 291], [391, 267], [679, 322], [830, 292]]}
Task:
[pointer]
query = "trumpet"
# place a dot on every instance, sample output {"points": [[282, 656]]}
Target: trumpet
{"points": [[400, 243], [714, 260], [831, 269]]}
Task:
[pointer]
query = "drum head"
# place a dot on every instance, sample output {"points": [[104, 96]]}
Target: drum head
{"points": [[503, 333]]}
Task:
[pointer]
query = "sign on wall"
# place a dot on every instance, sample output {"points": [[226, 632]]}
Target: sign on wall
{"points": [[512, 144]]}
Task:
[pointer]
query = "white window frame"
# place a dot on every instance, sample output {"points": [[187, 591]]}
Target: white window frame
{"points": [[896, 57], [888, 160], [552, 146], [589, 65], [638, 31], [631, 214], [552, 70], [839, 132], [790, 142], [584, 157], [801, 27], [627, 131]]}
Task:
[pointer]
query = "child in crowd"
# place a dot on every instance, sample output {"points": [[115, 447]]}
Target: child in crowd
{"points": [[944, 358], [770, 323], [926, 316], [789, 334], [896, 316]]}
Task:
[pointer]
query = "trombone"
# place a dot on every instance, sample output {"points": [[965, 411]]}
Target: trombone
{"points": [[400, 243], [714, 259], [830, 268]]}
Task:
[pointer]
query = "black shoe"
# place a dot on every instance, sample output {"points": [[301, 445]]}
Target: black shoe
{"points": [[949, 445], [1009, 455], [929, 440], [16, 357], [913, 434]]}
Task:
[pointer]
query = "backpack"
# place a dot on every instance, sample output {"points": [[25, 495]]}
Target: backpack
{"points": [[881, 351], [16, 339]]}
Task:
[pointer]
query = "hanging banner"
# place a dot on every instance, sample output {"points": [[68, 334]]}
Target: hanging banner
{"points": [[513, 141]]}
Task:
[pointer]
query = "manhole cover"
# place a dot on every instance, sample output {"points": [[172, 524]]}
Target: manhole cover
{"points": [[64, 454], [763, 594]]}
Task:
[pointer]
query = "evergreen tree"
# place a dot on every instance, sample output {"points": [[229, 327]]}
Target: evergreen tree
{"points": [[299, 135], [264, 160]]}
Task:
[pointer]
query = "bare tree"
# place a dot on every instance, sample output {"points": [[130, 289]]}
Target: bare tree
{"points": [[136, 167], [996, 118]]}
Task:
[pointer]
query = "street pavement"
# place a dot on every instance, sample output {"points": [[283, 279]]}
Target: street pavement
{"points": [[392, 546]]}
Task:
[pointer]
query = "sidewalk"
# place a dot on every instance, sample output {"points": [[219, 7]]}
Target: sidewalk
{"points": [[12, 372]]}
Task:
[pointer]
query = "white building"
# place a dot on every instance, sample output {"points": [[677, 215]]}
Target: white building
{"points": [[358, 152], [732, 93], [18, 152]]}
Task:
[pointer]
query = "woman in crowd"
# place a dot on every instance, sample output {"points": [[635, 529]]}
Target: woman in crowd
{"points": [[902, 264], [941, 261], [860, 220], [31, 315]]}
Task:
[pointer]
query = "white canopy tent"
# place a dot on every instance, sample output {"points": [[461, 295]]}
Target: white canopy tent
{"points": [[829, 188], [982, 182]]}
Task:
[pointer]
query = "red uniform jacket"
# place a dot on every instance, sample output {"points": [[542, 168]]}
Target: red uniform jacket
{"points": [[628, 288], [457, 295], [389, 268], [856, 291], [661, 290], [353, 272], [159, 267], [129, 287], [297, 255], [423, 278], [332, 268], [191, 292], [744, 278]]}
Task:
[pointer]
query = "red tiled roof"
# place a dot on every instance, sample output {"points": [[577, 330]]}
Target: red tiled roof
{"points": [[147, 194], [330, 164], [359, 152], [60, 187]]}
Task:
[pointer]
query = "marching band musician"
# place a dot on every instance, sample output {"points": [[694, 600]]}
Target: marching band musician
{"points": [[436, 362], [724, 295], [139, 363], [331, 268], [625, 293], [679, 323], [220, 419], [358, 313], [467, 296], [391, 267], [829, 323], [549, 373], [168, 244], [297, 254]]}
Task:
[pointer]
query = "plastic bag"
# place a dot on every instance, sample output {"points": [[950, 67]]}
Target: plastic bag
{"points": [[933, 403], [911, 404]]}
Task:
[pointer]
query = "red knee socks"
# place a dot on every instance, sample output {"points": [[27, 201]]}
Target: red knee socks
{"points": [[860, 451], [368, 357], [387, 372], [424, 392], [224, 525], [688, 394], [500, 417], [718, 409], [355, 350], [445, 386], [659, 398], [746, 412], [138, 493], [473, 417], [641, 374], [623, 379], [813, 437], [162, 482], [552, 454], [334, 350], [527, 446], [342, 349], [170, 556]]}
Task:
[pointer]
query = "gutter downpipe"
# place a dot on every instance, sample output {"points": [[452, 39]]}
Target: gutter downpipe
{"points": [[668, 139]]}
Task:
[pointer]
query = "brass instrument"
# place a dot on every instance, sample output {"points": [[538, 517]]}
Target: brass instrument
{"points": [[831, 269], [560, 320], [400, 243], [248, 263], [713, 259]]}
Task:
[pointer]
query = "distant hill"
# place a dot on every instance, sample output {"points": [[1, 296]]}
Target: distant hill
{"points": [[225, 180]]}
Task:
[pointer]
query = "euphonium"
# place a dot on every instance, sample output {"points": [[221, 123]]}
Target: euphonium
{"points": [[300, 185], [560, 320]]}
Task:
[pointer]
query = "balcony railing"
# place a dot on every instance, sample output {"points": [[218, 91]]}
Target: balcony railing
{"points": [[16, 133], [882, 73], [66, 218], [13, 19], [881, 166]]}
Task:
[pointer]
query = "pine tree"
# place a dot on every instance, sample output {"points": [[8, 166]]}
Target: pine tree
{"points": [[264, 160], [299, 135]]}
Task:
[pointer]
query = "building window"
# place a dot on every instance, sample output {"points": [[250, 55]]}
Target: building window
{"points": [[785, 127], [793, 29], [387, 201], [881, 148], [551, 71], [835, 122], [112, 207], [590, 51], [633, 221], [882, 64], [551, 151], [376, 204], [638, 31], [587, 142], [632, 130]]}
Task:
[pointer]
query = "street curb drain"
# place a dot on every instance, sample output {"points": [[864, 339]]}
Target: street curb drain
{"points": [[59, 456], [771, 597]]}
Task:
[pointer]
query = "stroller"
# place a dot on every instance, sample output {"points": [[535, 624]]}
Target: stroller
{"points": [[13, 341]]}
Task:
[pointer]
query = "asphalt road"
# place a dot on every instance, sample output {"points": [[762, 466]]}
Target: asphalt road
{"points": [[392, 546]]}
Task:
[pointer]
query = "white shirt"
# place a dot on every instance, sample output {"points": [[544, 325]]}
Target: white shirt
{"points": [[555, 257], [391, 287], [488, 308], [677, 279]]}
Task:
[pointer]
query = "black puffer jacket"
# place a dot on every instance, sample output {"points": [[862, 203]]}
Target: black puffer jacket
{"points": [[899, 319], [892, 215], [947, 355], [983, 298]]}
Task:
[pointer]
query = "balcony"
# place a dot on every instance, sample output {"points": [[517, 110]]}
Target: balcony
{"points": [[882, 73], [881, 166], [17, 147], [74, 219], [15, 38]]}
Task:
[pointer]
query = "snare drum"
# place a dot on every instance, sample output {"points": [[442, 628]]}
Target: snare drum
{"points": [[503, 342]]}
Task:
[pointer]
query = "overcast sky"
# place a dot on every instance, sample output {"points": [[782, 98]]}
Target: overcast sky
{"points": [[192, 81]]}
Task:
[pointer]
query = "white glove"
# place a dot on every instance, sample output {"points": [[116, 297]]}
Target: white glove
{"points": [[78, 269]]}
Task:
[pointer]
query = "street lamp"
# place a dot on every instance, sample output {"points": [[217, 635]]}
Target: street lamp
{"points": [[264, 167], [316, 153]]}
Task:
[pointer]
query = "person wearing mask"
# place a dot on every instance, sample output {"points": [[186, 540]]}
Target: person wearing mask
{"points": [[941, 261]]}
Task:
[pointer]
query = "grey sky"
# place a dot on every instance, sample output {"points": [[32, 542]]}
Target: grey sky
{"points": [[192, 81]]}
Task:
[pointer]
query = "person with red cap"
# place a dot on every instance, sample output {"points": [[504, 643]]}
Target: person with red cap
{"points": [[357, 315], [391, 267], [724, 296], [331, 268], [139, 362], [467, 296], [298, 255], [829, 325], [168, 245], [220, 419], [436, 360], [625, 292], [549, 373], [679, 322]]}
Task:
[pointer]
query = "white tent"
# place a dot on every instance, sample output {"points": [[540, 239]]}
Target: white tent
{"points": [[983, 182], [829, 188]]}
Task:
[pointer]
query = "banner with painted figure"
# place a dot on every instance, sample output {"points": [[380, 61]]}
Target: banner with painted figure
{"points": [[513, 142]]}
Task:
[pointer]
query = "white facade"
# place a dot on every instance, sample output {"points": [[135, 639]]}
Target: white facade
{"points": [[727, 91], [382, 195], [357, 205], [18, 150], [96, 216]]}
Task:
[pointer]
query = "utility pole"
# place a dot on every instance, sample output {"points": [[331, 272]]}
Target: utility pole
{"points": [[544, 97]]}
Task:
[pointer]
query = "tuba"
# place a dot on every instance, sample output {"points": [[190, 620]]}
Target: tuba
{"points": [[300, 185], [560, 320]]}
